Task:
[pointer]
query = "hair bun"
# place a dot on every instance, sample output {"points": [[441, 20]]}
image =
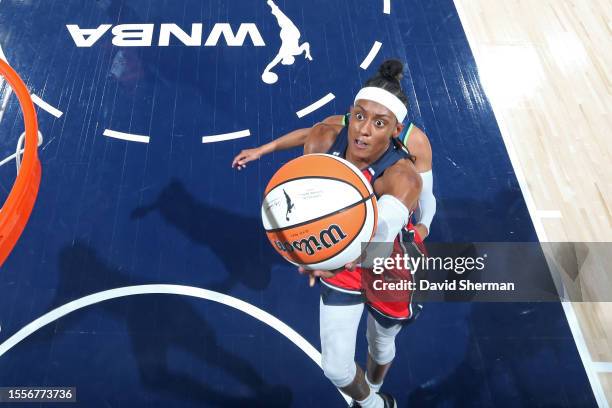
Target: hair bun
{"points": [[391, 69]]}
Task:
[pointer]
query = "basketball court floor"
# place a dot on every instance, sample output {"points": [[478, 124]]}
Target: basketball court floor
{"points": [[143, 277]]}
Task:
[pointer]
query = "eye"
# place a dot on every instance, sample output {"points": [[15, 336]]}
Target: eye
{"points": [[380, 123], [359, 116]]}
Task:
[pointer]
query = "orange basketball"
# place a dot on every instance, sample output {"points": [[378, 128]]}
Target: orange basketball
{"points": [[317, 211]]}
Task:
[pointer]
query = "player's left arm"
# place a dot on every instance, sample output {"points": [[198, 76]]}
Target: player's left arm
{"points": [[419, 146]]}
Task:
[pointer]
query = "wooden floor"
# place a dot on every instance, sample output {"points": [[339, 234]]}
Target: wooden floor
{"points": [[546, 66]]}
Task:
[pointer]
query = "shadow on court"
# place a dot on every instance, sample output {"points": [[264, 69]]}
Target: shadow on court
{"points": [[159, 324], [511, 360], [146, 60], [238, 241]]}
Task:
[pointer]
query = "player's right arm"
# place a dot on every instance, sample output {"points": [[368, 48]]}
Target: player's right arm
{"points": [[292, 139]]}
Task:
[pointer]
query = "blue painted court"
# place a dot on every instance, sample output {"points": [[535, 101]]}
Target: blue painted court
{"points": [[135, 192]]}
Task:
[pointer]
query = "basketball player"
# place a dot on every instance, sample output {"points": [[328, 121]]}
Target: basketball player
{"points": [[411, 136], [290, 47], [369, 141]]}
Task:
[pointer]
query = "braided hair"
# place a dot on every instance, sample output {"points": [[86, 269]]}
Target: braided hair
{"points": [[388, 78]]}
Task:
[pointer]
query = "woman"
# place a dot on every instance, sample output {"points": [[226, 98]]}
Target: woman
{"points": [[369, 140]]}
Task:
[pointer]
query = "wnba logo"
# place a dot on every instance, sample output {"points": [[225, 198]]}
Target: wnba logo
{"points": [[141, 35], [326, 239]]}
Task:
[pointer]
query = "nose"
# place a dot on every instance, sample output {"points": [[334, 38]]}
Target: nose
{"points": [[366, 128]]}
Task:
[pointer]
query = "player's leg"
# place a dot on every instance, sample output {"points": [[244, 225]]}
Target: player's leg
{"points": [[381, 350], [338, 329], [305, 48], [338, 325]]}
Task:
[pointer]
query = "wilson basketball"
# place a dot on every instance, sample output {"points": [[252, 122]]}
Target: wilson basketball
{"points": [[317, 211]]}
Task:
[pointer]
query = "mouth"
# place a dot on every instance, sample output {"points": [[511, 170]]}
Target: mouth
{"points": [[360, 144]]}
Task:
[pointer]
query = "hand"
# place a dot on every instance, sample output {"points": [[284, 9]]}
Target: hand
{"points": [[422, 230], [313, 274], [245, 156]]}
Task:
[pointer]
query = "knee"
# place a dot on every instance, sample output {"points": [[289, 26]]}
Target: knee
{"points": [[382, 353], [340, 373], [381, 348]]}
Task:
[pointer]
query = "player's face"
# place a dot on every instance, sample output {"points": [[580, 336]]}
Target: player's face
{"points": [[370, 127]]}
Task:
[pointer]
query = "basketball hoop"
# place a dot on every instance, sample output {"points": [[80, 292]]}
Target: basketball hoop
{"points": [[17, 208]]}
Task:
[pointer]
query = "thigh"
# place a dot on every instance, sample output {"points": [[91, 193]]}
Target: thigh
{"points": [[338, 328]]}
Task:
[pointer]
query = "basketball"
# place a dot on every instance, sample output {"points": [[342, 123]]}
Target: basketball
{"points": [[317, 211]]}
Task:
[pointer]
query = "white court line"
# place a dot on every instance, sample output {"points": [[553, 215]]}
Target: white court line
{"points": [[602, 367], [387, 7], [126, 136], [230, 301], [226, 136], [549, 214], [46, 106], [35, 98], [570, 315], [585, 356], [371, 55], [313, 107], [5, 99]]}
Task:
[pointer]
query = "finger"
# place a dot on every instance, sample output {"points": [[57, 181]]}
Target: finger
{"points": [[237, 159], [311, 280]]}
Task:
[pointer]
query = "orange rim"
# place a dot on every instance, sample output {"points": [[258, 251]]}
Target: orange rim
{"points": [[18, 206]]}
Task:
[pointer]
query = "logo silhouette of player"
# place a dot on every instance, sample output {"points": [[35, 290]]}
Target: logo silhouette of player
{"points": [[290, 205], [290, 47]]}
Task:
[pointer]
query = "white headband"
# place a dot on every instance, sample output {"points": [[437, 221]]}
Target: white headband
{"points": [[385, 98]]}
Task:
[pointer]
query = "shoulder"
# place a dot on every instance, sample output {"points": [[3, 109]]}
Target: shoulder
{"points": [[335, 120], [321, 138], [419, 146]]}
